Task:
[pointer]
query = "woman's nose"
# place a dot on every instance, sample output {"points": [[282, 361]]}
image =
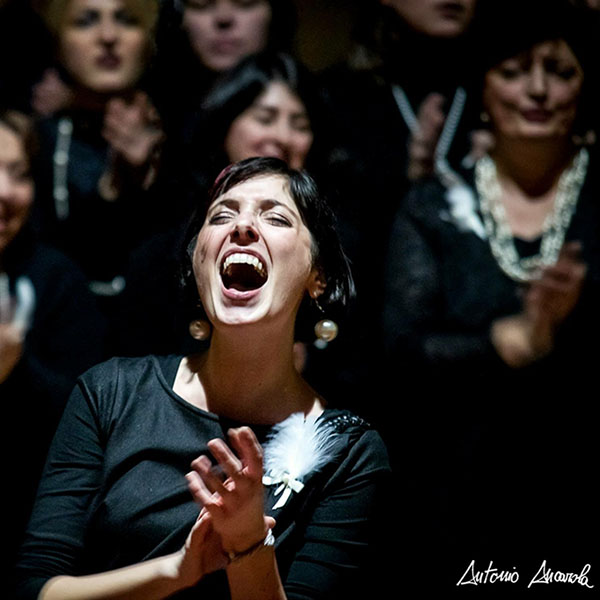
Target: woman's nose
{"points": [[537, 83], [244, 231], [108, 31], [282, 133], [224, 14]]}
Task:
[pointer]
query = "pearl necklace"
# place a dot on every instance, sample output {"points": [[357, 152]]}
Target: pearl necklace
{"points": [[555, 226], [60, 193], [448, 176], [60, 159]]}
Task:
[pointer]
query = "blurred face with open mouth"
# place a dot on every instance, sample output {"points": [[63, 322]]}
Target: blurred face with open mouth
{"points": [[253, 260]]}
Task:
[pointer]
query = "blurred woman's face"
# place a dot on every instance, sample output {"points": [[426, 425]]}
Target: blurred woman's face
{"points": [[275, 125], [222, 32], [16, 186], [435, 18], [103, 45], [535, 94]]}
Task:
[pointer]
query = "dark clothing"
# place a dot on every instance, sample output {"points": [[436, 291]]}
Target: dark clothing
{"points": [[63, 339], [114, 491], [97, 234], [154, 315], [498, 460], [367, 180], [26, 51]]}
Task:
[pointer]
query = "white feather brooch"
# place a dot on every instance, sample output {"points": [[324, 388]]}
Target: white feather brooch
{"points": [[295, 448]]}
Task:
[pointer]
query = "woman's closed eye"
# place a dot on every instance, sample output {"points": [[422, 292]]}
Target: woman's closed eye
{"points": [[86, 18], [266, 116], [127, 18], [277, 219], [221, 217]]}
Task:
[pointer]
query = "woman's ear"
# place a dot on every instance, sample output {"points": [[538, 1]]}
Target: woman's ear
{"points": [[316, 283]]}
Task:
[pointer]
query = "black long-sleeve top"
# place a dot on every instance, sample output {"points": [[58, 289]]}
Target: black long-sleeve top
{"points": [[114, 493], [498, 461]]}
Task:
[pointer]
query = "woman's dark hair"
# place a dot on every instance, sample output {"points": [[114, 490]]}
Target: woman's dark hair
{"points": [[327, 253], [236, 91]]}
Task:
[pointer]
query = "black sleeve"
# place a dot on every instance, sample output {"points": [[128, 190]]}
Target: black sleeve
{"points": [[68, 332], [415, 321], [72, 476], [340, 542]]}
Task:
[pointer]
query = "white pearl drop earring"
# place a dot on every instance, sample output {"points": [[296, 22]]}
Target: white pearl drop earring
{"points": [[326, 330]]}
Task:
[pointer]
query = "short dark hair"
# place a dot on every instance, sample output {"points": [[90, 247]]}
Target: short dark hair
{"points": [[327, 253]]}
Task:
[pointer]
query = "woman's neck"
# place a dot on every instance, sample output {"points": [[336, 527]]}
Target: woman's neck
{"points": [[528, 174], [414, 54], [533, 167], [249, 376], [86, 100]]}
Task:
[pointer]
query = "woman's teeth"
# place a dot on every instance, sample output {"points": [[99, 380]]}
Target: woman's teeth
{"points": [[240, 258]]}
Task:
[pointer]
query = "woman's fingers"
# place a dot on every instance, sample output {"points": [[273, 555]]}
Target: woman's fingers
{"points": [[198, 489], [248, 448], [227, 460]]}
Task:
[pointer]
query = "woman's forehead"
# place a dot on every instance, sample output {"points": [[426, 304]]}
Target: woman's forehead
{"points": [[259, 188]]}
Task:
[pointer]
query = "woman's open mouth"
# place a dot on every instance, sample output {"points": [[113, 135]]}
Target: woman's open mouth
{"points": [[243, 272]]}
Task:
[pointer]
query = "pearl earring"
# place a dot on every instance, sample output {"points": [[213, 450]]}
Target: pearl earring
{"points": [[326, 330], [200, 329]]}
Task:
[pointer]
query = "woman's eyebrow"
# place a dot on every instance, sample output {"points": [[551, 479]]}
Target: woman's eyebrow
{"points": [[226, 202], [268, 203]]}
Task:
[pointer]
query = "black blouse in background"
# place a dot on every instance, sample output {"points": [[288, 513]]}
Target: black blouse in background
{"points": [[114, 491], [499, 462]]}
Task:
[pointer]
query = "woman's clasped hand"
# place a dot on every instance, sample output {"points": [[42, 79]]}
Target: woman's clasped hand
{"points": [[234, 505]]}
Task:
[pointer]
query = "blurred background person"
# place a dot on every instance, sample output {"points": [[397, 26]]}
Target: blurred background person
{"points": [[491, 309], [100, 156], [198, 40], [400, 109], [50, 328]]}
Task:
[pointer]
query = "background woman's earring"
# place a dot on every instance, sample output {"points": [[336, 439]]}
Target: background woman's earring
{"points": [[326, 330], [200, 329]]}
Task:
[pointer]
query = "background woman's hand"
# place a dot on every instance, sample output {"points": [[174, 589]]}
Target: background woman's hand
{"points": [[133, 128], [235, 504], [423, 142], [552, 297], [11, 348], [134, 133], [549, 300], [51, 94]]}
